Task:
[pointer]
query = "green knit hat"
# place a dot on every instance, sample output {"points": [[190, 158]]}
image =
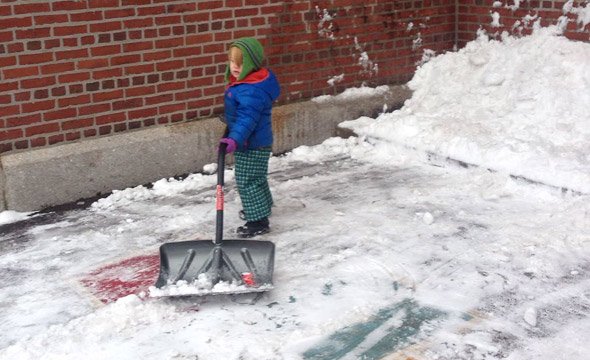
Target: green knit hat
{"points": [[253, 54]]}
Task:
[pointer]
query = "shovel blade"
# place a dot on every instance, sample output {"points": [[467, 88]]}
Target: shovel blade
{"points": [[246, 264]]}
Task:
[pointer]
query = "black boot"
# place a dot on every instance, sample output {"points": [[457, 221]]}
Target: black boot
{"points": [[253, 228]]}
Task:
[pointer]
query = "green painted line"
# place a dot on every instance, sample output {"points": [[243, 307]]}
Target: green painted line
{"points": [[344, 341]]}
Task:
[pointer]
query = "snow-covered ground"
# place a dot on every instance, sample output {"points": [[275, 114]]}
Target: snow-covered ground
{"points": [[385, 248]]}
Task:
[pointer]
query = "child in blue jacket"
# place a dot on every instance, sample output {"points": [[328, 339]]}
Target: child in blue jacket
{"points": [[250, 92]]}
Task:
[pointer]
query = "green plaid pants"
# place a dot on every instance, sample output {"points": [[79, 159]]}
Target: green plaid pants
{"points": [[252, 180]]}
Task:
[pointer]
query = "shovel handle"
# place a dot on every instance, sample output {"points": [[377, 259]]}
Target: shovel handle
{"points": [[219, 194]]}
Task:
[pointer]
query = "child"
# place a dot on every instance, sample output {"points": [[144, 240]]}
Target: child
{"points": [[250, 92]]}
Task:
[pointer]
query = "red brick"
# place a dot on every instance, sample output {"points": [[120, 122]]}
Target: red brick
{"points": [[199, 39], [33, 33], [17, 22], [62, 31], [5, 10], [38, 142], [71, 54], [94, 109], [86, 16], [23, 120], [139, 69], [90, 132], [9, 110], [208, 5], [127, 104], [35, 58], [41, 129], [103, 4], [172, 108], [72, 78], [151, 10], [138, 23], [110, 118], [73, 100], [107, 74], [7, 61], [72, 136], [6, 36], [59, 114], [76, 124], [159, 55], [172, 86], [93, 63], [138, 46], [105, 50], [143, 113], [244, 13], [107, 96], [125, 59], [57, 68], [158, 99], [11, 134], [5, 99], [68, 5], [140, 91], [187, 51], [168, 20], [170, 65], [54, 139], [169, 43], [38, 82], [36, 7], [21, 72], [119, 13], [106, 26], [135, 2]]}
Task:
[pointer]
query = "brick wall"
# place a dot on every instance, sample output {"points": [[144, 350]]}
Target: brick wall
{"points": [[77, 69], [519, 17]]}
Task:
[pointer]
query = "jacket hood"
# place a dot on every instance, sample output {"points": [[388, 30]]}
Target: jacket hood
{"points": [[253, 56]]}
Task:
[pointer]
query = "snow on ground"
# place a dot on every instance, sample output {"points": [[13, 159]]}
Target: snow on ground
{"points": [[381, 241]]}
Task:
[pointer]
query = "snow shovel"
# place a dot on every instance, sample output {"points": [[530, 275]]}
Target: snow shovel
{"points": [[204, 267]]}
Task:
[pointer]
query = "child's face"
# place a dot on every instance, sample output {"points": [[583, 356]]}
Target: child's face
{"points": [[235, 61], [235, 69]]}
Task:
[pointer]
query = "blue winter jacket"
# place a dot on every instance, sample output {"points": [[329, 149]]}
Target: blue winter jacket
{"points": [[248, 106]]}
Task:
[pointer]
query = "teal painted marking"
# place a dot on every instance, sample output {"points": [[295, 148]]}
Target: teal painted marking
{"points": [[344, 341]]}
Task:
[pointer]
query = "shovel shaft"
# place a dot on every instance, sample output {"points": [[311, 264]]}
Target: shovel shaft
{"points": [[219, 195]]}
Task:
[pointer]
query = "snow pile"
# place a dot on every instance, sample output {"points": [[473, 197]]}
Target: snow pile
{"points": [[161, 188], [352, 93], [85, 337], [10, 216], [519, 106]]}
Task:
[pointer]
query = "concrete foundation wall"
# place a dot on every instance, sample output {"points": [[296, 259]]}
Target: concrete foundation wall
{"points": [[36, 179]]}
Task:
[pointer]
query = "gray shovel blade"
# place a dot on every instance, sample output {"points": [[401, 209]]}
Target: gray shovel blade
{"points": [[248, 263]]}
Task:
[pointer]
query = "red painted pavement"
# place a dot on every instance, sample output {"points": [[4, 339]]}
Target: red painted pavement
{"points": [[129, 276]]}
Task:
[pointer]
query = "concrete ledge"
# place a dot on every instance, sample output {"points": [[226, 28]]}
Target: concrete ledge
{"points": [[36, 179]]}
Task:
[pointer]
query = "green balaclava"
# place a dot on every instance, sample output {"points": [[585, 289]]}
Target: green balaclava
{"points": [[253, 54]]}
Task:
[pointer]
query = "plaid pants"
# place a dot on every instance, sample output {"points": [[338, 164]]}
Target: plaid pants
{"points": [[252, 180]]}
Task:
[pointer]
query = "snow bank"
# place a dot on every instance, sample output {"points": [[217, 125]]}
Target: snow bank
{"points": [[520, 106]]}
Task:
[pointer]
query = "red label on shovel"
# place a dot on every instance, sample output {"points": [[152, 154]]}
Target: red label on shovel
{"points": [[248, 279], [219, 198]]}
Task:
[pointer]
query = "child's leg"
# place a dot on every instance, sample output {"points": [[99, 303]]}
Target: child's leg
{"points": [[252, 180]]}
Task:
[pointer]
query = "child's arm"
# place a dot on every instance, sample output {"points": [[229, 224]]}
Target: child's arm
{"points": [[249, 109]]}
